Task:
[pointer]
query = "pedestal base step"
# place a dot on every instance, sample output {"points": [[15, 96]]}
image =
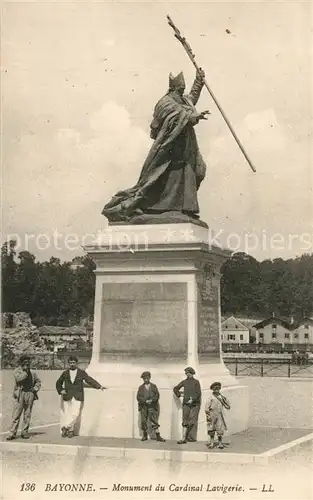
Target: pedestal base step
{"points": [[114, 413], [256, 445]]}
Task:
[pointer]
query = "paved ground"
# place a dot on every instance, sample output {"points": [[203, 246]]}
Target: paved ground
{"points": [[254, 440], [285, 403]]}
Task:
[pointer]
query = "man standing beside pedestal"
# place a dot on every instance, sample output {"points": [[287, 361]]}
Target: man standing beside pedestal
{"points": [[70, 386], [191, 403]]}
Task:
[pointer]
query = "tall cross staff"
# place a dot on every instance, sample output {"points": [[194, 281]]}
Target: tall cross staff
{"points": [[191, 56]]}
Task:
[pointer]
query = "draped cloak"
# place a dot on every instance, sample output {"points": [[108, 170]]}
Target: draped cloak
{"points": [[174, 167]]}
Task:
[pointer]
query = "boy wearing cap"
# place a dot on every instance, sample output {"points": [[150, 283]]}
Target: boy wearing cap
{"points": [[27, 384], [191, 403], [148, 405], [214, 415]]}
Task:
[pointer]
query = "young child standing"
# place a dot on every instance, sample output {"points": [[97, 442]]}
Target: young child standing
{"points": [[214, 415]]}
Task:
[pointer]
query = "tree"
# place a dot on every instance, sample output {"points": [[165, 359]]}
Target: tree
{"points": [[27, 280], [241, 285], [54, 293], [9, 280], [284, 287]]}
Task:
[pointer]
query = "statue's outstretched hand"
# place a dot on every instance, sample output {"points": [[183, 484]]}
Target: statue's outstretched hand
{"points": [[202, 115]]}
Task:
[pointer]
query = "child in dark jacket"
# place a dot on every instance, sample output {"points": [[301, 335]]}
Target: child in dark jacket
{"points": [[148, 405], [191, 403]]}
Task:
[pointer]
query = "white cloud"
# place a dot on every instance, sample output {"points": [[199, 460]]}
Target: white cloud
{"points": [[275, 198], [62, 181], [109, 42]]}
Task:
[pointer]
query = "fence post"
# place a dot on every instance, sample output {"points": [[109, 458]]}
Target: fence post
{"points": [[236, 367], [289, 366], [262, 367]]}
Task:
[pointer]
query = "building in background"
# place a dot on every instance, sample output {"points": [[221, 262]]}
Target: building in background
{"points": [[234, 332], [303, 332], [274, 330], [57, 337], [272, 334], [277, 330], [250, 324]]}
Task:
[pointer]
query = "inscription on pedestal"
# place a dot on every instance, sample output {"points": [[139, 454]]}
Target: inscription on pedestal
{"points": [[144, 318], [208, 315]]}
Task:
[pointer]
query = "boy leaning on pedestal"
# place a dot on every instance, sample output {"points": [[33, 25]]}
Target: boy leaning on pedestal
{"points": [[215, 416], [191, 403]]}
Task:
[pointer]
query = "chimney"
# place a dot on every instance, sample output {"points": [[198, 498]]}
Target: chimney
{"points": [[291, 320]]}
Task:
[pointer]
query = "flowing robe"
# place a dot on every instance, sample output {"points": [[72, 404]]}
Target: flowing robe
{"points": [[174, 167]]}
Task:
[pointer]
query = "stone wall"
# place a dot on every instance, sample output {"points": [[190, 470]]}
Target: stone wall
{"points": [[15, 320]]}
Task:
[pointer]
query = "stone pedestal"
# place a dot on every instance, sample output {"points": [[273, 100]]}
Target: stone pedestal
{"points": [[157, 308]]}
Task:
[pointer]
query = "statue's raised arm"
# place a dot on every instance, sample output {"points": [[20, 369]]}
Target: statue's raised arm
{"points": [[197, 86]]}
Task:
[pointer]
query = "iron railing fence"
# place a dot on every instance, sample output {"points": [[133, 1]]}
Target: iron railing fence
{"points": [[239, 366]]}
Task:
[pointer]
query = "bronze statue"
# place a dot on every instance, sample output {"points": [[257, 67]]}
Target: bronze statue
{"points": [[171, 175], [174, 168]]}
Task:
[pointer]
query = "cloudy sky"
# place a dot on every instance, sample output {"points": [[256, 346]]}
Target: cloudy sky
{"points": [[80, 82]]}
